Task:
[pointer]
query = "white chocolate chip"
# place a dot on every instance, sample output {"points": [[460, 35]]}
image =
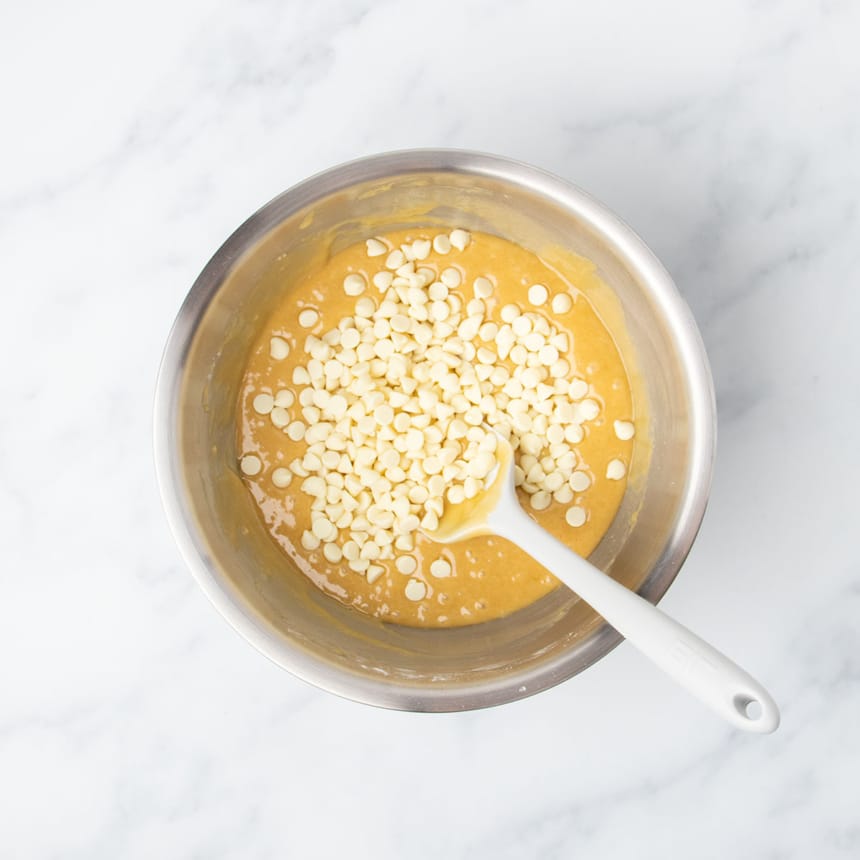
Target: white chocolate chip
{"points": [[538, 294], [483, 288], [563, 495], [365, 307], [354, 284], [324, 529], [415, 590], [451, 277], [615, 470], [575, 516], [456, 494], [540, 501], [374, 571], [376, 247], [332, 553], [624, 430], [440, 568], [308, 318], [548, 354], [281, 477], [430, 522], [440, 311], [395, 259], [553, 481], [279, 417], [441, 244], [285, 398], [488, 331], [406, 565], [560, 342], [438, 290], [561, 303], [588, 410], [264, 403], [382, 280], [578, 389], [296, 431], [310, 541], [460, 238], [279, 349], [251, 465], [579, 482], [481, 465]]}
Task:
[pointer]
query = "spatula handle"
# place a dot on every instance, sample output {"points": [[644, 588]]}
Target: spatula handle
{"points": [[709, 675]]}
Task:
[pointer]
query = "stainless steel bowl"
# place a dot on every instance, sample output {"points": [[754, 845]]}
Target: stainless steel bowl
{"points": [[216, 525]]}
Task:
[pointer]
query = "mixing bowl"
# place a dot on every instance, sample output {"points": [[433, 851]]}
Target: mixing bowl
{"points": [[216, 524]]}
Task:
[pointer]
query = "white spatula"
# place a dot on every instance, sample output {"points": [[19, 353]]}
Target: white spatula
{"points": [[693, 663]]}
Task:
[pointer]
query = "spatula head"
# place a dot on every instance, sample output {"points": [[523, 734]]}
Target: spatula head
{"points": [[472, 517]]}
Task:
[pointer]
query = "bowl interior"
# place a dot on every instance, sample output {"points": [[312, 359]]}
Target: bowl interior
{"points": [[258, 588]]}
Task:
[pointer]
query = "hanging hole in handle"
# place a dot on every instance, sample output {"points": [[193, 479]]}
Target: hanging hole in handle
{"points": [[748, 707]]}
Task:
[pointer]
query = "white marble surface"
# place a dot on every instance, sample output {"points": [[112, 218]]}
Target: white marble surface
{"points": [[133, 722]]}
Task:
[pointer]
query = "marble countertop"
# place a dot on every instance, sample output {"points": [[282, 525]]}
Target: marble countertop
{"points": [[134, 723]]}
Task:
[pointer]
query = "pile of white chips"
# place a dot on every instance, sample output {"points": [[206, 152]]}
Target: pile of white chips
{"points": [[394, 406]]}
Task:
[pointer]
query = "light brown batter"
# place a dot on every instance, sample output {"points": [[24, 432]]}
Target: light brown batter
{"points": [[489, 577]]}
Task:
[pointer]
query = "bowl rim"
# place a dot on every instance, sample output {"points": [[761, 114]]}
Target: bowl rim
{"points": [[221, 591]]}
